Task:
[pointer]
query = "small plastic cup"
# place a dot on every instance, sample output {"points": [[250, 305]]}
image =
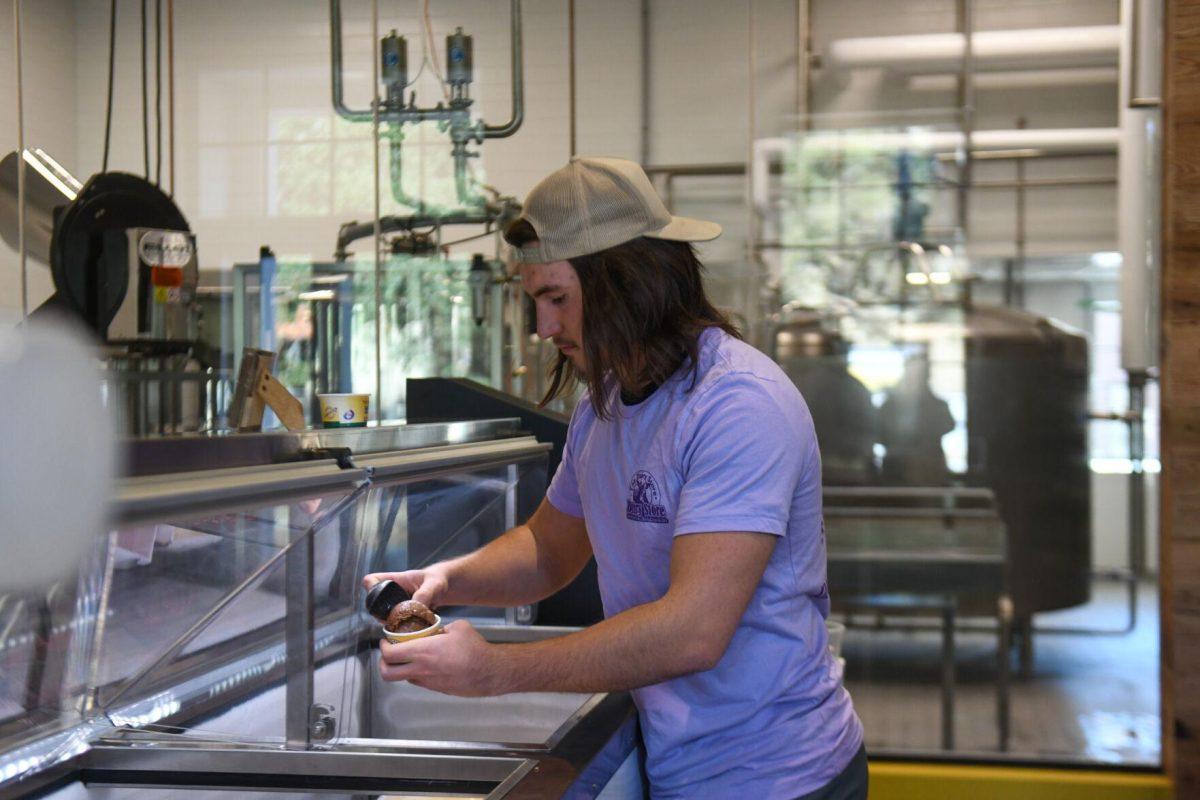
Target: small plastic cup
{"points": [[344, 410], [396, 638]]}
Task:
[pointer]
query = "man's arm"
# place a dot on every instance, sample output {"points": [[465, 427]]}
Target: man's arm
{"points": [[526, 564], [713, 577]]}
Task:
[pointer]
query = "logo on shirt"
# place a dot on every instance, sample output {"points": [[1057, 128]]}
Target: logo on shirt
{"points": [[643, 504]]}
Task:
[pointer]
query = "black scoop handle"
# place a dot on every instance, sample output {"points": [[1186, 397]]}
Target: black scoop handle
{"points": [[383, 597]]}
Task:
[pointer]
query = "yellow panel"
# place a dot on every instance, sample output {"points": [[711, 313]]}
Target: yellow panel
{"points": [[903, 781]]}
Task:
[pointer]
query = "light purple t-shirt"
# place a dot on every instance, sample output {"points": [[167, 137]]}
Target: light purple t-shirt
{"points": [[736, 453]]}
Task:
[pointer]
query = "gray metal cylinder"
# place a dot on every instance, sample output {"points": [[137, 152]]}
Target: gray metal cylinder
{"points": [[393, 51], [460, 62]]}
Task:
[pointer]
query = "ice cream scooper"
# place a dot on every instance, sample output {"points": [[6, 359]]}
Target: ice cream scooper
{"points": [[383, 597]]}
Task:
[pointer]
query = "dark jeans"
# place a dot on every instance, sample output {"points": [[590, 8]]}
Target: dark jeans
{"points": [[850, 784]]}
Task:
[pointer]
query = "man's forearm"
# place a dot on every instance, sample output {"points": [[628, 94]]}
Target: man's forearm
{"points": [[508, 571], [645, 645]]}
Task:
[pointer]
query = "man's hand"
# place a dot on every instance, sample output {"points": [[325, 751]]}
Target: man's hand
{"points": [[458, 662], [426, 586]]}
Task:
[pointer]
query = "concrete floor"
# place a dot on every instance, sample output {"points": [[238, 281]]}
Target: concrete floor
{"points": [[1091, 698]]}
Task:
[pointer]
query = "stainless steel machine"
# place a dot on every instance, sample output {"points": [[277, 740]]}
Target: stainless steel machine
{"points": [[215, 644]]}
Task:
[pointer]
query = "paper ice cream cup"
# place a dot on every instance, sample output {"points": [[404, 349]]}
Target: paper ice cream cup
{"points": [[344, 410], [396, 638]]}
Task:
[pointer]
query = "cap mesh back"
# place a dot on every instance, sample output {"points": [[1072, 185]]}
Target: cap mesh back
{"points": [[589, 205]]}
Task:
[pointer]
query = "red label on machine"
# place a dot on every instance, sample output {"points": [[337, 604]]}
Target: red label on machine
{"points": [[171, 277]]}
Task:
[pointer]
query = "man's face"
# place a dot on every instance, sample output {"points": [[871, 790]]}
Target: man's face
{"points": [[558, 297]]}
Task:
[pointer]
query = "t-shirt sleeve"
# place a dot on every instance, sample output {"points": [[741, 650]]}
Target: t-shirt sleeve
{"points": [[745, 446], [563, 492]]}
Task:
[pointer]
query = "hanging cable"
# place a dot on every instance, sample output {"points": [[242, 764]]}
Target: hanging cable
{"points": [[437, 69], [145, 100], [112, 54], [158, 93]]}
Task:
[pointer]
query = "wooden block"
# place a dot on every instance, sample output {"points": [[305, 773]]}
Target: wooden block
{"points": [[289, 410], [256, 390], [246, 409]]}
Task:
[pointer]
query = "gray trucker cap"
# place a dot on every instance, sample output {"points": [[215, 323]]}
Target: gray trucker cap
{"points": [[593, 204]]}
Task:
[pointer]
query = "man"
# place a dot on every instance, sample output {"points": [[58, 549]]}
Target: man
{"points": [[691, 471]]}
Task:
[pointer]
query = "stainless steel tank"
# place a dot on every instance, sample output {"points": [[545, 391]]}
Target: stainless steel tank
{"points": [[1027, 383], [1023, 405]]}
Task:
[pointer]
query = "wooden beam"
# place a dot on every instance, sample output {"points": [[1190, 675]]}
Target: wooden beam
{"points": [[1180, 384]]}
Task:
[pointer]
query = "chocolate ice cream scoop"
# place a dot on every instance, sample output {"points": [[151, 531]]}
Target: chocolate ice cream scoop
{"points": [[409, 616]]}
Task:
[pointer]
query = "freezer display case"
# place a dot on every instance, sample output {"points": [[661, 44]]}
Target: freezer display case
{"points": [[214, 644]]}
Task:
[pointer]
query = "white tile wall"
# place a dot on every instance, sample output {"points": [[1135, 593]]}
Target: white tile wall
{"points": [[48, 48]]}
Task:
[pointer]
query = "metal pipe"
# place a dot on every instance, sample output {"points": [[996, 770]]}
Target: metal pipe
{"points": [[335, 49], [733, 169], [396, 169], [1083, 46], [966, 100], [462, 179], [377, 228], [727, 168], [1027, 183], [738, 168], [571, 71], [1135, 418], [416, 114], [803, 61], [299, 658], [396, 174], [353, 231], [1135, 99], [645, 81], [1014, 286], [518, 83], [754, 301]]}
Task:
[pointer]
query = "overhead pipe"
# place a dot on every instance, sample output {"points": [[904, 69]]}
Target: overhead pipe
{"points": [[571, 114], [335, 63], [456, 116], [1043, 141], [1034, 48], [423, 115], [966, 110], [493, 213], [518, 83], [1138, 211], [1019, 79], [645, 77]]}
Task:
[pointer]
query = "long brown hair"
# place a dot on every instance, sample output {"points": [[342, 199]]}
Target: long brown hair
{"points": [[644, 308]]}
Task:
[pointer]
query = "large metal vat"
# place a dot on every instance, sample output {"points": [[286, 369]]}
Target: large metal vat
{"points": [[1019, 413]]}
